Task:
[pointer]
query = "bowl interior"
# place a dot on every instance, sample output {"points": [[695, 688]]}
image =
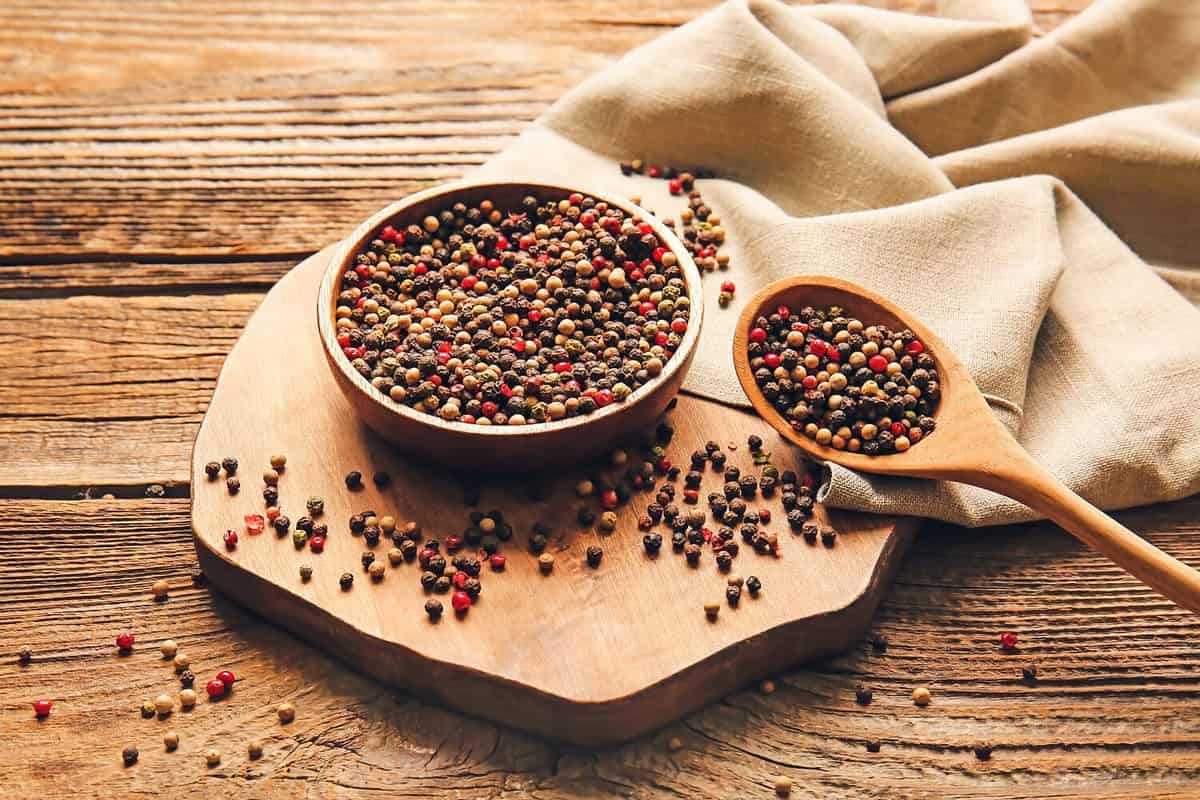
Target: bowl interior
{"points": [[505, 195]]}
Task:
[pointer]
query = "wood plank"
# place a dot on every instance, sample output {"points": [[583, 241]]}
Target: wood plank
{"points": [[1108, 716], [261, 141]]}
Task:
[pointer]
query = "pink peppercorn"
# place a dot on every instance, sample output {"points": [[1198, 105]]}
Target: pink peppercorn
{"points": [[42, 707], [728, 286], [231, 539], [1008, 641], [460, 601], [316, 544], [758, 335], [226, 677], [215, 688], [254, 523], [125, 642], [497, 562], [609, 499]]}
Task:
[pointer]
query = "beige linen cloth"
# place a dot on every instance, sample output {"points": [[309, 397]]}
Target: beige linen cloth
{"points": [[1032, 198]]}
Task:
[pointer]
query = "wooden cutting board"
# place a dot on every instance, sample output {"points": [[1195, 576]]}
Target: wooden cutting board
{"points": [[591, 656]]}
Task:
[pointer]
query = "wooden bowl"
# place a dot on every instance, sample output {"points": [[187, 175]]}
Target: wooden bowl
{"points": [[527, 447]]}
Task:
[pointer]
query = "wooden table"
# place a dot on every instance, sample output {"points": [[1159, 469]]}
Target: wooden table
{"points": [[160, 169]]}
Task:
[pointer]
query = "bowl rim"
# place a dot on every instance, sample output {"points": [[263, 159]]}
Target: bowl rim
{"points": [[344, 250]]}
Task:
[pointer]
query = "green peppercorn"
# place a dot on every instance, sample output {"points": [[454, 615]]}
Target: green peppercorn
{"points": [[315, 506]]}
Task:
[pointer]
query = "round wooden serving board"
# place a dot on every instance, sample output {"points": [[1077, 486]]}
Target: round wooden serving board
{"points": [[591, 656]]}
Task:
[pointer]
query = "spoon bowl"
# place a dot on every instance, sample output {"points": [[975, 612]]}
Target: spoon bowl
{"points": [[968, 444]]}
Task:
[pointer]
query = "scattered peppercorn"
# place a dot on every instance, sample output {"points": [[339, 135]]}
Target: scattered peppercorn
{"points": [[767, 687], [983, 751], [874, 745], [733, 594], [828, 537], [270, 477], [230, 465], [546, 562], [594, 555], [921, 696], [168, 648], [1029, 672], [783, 786], [346, 581], [233, 484], [212, 757], [863, 695], [187, 697], [212, 469], [182, 662], [879, 642], [125, 642], [433, 607], [711, 610], [354, 480], [381, 479], [254, 749], [286, 712], [1008, 641], [25, 655], [129, 755], [171, 741]]}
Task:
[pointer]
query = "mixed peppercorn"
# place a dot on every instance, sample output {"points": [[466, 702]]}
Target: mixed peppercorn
{"points": [[843, 383], [508, 316]]}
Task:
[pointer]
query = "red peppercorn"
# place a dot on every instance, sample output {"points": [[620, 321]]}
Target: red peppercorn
{"points": [[587, 219], [898, 429], [316, 544], [784, 312], [125, 642], [460, 579], [226, 677], [877, 363], [764, 516], [230, 539], [254, 523], [654, 172], [609, 499], [426, 554], [728, 286], [453, 543], [645, 227], [771, 360], [678, 325], [497, 561], [809, 382], [388, 233], [663, 465], [575, 198], [42, 707], [460, 601], [215, 688], [272, 513], [1008, 641], [915, 348], [603, 398], [817, 347], [675, 186]]}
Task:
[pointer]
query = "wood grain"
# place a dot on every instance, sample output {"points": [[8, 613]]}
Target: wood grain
{"points": [[538, 652], [1108, 717], [189, 176]]}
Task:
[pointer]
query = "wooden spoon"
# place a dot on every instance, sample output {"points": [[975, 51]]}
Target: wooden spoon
{"points": [[968, 445]]}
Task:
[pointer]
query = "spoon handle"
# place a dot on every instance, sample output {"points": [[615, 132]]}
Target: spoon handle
{"points": [[1032, 485]]}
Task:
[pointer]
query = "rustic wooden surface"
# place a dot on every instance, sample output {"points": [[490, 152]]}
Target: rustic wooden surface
{"points": [[159, 169], [512, 659]]}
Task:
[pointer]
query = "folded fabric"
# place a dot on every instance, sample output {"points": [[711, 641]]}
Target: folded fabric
{"points": [[1016, 194]]}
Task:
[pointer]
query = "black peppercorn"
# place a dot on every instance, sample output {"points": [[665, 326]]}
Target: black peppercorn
{"points": [[408, 548], [353, 480], [371, 535], [230, 465], [733, 593], [749, 486], [692, 553], [805, 506], [788, 477], [788, 500], [381, 479], [428, 579], [212, 469], [809, 529], [130, 754], [678, 540], [437, 564], [187, 678], [873, 746], [270, 495], [754, 442], [442, 584], [305, 524], [472, 587], [537, 543], [664, 433], [357, 524], [718, 460], [586, 515], [652, 542], [346, 581], [711, 447], [699, 459], [433, 607], [828, 537], [863, 695], [368, 558], [766, 485], [692, 479], [795, 519], [753, 585], [879, 642], [594, 554], [1029, 672], [282, 525], [724, 560], [732, 489], [489, 544], [655, 512], [732, 474], [983, 751], [233, 485]]}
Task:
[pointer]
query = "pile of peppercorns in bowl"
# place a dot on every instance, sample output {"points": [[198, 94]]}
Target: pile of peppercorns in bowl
{"points": [[509, 326]]}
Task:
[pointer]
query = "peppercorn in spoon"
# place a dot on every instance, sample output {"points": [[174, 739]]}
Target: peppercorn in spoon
{"points": [[956, 438]]}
